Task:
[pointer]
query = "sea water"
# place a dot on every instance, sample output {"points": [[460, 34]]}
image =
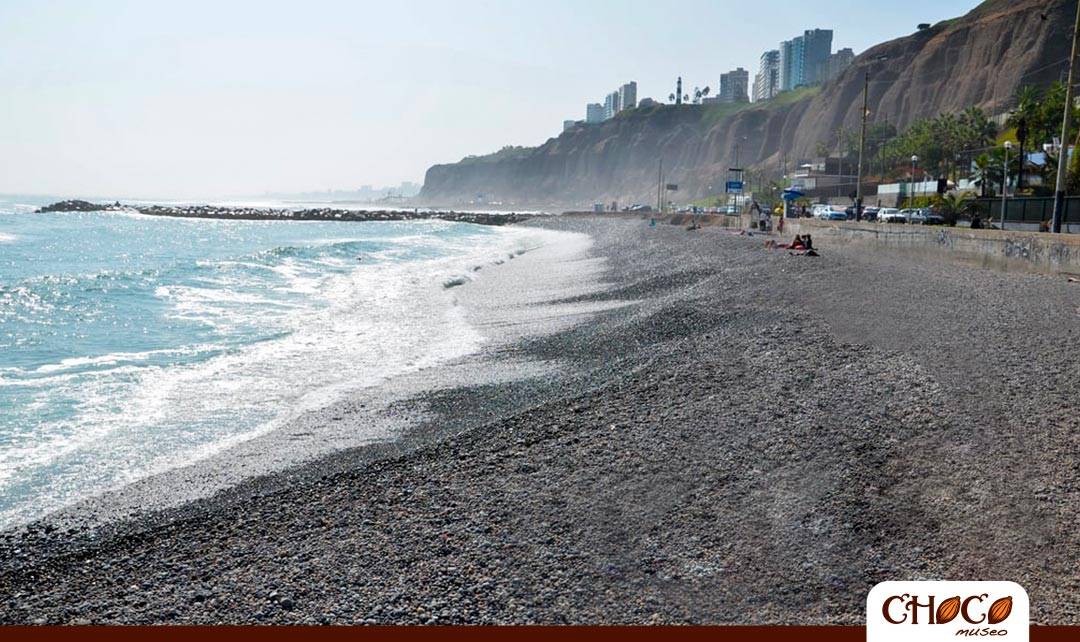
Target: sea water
{"points": [[132, 344]]}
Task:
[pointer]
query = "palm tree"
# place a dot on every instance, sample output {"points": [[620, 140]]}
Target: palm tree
{"points": [[671, 98], [953, 205], [984, 172], [1027, 106], [980, 130]]}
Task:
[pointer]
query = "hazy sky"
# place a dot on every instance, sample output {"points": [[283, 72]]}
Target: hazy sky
{"points": [[201, 99]]}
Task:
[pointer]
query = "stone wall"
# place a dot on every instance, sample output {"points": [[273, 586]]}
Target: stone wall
{"points": [[1009, 250], [1031, 251]]}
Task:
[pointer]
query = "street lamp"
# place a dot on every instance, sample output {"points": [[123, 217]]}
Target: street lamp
{"points": [[1005, 182], [911, 196]]}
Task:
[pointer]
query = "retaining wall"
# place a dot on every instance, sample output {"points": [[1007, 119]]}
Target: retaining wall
{"points": [[1008, 249], [1032, 251]]}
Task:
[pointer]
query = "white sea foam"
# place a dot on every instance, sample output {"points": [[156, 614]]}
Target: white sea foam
{"points": [[7, 238], [137, 414]]}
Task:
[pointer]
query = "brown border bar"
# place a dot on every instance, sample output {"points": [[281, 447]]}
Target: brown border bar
{"points": [[472, 634]]}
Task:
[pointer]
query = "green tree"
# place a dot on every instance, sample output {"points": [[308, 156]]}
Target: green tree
{"points": [[953, 205], [985, 173]]}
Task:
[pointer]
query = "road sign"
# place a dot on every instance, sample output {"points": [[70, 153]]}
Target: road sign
{"points": [[735, 187]]}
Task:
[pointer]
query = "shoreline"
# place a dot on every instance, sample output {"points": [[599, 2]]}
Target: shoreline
{"points": [[756, 438], [369, 414]]}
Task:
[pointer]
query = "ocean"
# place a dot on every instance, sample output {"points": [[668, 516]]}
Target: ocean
{"points": [[130, 345]]}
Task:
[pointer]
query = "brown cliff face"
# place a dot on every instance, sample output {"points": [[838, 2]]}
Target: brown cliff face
{"points": [[980, 59]]}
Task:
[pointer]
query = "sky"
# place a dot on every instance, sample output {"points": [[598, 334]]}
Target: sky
{"points": [[149, 99]]}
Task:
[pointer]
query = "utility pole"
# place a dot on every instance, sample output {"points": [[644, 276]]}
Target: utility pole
{"points": [[862, 145], [1063, 157], [1005, 183], [659, 186]]}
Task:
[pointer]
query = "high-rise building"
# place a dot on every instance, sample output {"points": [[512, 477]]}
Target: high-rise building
{"points": [[625, 97], [791, 63], [594, 113], [817, 48], [767, 80], [837, 63], [628, 95], [803, 59], [612, 105], [733, 86]]}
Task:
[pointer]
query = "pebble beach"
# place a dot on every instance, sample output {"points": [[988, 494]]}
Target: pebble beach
{"points": [[733, 435]]}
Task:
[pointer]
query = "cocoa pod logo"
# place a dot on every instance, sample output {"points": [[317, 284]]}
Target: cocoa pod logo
{"points": [[999, 610], [948, 610]]}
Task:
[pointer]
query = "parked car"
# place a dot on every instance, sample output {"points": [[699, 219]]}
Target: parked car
{"points": [[870, 213], [914, 216], [836, 215], [891, 215], [821, 211], [933, 218]]}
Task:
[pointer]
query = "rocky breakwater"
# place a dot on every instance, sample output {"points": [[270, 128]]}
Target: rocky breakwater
{"points": [[75, 205], [310, 214]]}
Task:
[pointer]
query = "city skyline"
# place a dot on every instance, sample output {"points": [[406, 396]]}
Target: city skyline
{"points": [[246, 98]]}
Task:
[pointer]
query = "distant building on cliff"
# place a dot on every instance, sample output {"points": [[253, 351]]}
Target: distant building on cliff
{"points": [[818, 48], [612, 105], [628, 95], [625, 97], [837, 63], [791, 63], [733, 86], [594, 113], [567, 125], [803, 59], [767, 80]]}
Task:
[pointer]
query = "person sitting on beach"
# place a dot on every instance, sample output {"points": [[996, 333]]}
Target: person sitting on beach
{"points": [[797, 244], [808, 244]]}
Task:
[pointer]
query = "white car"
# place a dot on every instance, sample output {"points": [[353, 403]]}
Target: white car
{"points": [[891, 215], [821, 211]]}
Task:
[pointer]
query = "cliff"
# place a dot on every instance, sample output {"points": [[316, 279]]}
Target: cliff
{"points": [[979, 59]]}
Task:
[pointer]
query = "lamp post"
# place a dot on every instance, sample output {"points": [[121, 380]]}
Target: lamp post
{"points": [[1005, 182], [862, 145], [911, 194], [1063, 157]]}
